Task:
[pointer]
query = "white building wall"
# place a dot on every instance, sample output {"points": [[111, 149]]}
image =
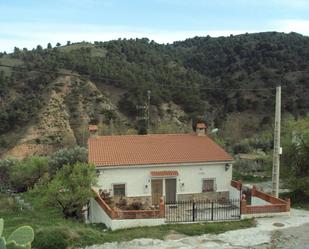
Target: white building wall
{"points": [[256, 201], [234, 193], [98, 215], [189, 180]]}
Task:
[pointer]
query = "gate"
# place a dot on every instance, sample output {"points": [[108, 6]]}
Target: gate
{"points": [[202, 210]]}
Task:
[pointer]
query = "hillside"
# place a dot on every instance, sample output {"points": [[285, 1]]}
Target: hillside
{"points": [[50, 95]]}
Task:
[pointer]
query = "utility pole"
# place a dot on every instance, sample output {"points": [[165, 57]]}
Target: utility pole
{"points": [[277, 148]]}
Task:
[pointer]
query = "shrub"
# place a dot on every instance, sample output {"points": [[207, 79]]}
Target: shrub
{"points": [[122, 204], [8, 203], [106, 196], [24, 174], [51, 238], [242, 147], [67, 156], [5, 167], [136, 205], [70, 189]]}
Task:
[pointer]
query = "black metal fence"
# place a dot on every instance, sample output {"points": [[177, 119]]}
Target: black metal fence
{"points": [[202, 210]]}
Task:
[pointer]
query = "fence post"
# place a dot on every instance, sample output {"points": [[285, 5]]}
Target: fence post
{"points": [[193, 211], [288, 205], [212, 210], [243, 205], [162, 208]]}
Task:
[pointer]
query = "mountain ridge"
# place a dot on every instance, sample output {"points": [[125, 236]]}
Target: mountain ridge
{"points": [[190, 81]]}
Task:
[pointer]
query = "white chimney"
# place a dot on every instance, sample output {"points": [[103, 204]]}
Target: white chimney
{"points": [[93, 130], [201, 129]]}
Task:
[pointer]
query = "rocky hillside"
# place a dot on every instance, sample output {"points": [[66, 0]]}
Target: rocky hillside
{"points": [[49, 96]]}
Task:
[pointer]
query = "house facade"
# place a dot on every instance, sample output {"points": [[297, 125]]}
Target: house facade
{"points": [[176, 167]]}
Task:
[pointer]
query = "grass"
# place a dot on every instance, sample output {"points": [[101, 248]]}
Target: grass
{"points": [[49, 226]]}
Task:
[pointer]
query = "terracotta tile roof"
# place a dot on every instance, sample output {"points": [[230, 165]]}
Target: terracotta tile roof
{"points": [[164, 173], [153, 149]]}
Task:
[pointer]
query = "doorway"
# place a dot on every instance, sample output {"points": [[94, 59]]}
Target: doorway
{"points": [[170, 191], [156, 190]]}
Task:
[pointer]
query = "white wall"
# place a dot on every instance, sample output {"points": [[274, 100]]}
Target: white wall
{"points": [[136, 177], [256, 201], [234, 193], [121, 224], [98, 215]]}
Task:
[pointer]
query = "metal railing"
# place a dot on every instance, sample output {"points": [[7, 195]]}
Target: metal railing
{"points": [[202, 210]]}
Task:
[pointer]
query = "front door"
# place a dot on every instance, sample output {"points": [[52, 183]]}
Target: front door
{"points": [[170, 190], [156, 190]]}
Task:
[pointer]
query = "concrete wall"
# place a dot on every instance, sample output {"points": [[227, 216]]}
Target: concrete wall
{"points": [[261, 215], [138, 179], [98, 215], [121, 224], [234, 193], [256, 201]]}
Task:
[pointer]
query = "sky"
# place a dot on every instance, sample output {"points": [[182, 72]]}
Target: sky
{"points": [[27, 23]]}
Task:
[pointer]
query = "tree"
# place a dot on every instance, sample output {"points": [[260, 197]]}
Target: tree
{"points": [[26, 173], [68, 43], [67, 156], [295, 158], [70, 189], [39, 48], [58, 44], [49, 46]]}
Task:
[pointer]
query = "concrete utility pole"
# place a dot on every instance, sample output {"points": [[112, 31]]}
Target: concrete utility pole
{"points": [[277, 148]]}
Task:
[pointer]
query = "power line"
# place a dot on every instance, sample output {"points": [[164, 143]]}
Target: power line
{"points": [[89, 77]]}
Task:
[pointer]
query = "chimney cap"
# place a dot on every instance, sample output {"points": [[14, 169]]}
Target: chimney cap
{"points": [[92, 128], [201, 126]]}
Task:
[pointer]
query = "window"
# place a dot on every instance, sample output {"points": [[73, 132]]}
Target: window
{"points": [[119, 189], [208, 185]]}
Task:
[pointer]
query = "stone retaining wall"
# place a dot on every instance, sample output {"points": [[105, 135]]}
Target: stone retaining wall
{"points": [[211, 196]]}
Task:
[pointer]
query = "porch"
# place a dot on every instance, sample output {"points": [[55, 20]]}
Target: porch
{"points": [[194, 210]]}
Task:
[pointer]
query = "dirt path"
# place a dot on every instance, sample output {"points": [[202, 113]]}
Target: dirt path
{"points": [[284, 232]]}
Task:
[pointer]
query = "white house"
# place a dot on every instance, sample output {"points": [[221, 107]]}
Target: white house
{"points": [[174, 166]]}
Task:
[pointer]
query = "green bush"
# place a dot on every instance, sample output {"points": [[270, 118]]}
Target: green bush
{"points": [[67, 156], [5, 168], [51, 238], [26, 173], [7, 203], [70, 189], [242, 147]]}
